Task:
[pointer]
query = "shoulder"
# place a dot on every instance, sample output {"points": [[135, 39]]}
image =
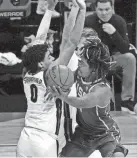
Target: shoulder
{"points": [[103, 94], [102, 87], [93, 15], [118, 19]]}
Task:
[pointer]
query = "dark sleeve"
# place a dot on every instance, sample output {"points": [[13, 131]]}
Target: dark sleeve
{"points": [[120, 37]]}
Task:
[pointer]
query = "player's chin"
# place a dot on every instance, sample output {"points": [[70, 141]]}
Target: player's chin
{"points": [[81, 74]]}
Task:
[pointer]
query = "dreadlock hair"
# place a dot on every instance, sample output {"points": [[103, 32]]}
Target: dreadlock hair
{"points": [[88, 32], [33, 56], [98, 57]]}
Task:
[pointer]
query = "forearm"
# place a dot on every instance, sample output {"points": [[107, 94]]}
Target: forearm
{"points": [[69, 24], [44, 25], [99, 97], [73, 101], [80, 102], [78, 28], [73, 39], [66, 54]]}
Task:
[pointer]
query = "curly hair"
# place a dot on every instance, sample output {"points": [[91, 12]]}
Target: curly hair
{"points": [[97, 55], [33, 56]]}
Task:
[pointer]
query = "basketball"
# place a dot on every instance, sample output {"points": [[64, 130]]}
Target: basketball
{"points": [[60, 75]]}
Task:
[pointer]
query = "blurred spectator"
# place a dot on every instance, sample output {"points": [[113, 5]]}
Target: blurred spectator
{"points": [[11, 40], [9, 59], [112, 30]]}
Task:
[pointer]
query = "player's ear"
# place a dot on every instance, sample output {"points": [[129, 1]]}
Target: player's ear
{"points": [[41, 64]]}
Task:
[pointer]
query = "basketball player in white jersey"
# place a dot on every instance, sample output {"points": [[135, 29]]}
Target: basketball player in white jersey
{"points": [[39, 136]]}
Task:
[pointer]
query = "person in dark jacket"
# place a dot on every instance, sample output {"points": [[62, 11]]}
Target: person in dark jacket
{"points": [[112, 30]]}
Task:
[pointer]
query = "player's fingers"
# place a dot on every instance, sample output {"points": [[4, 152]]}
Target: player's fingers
{"points": [[27, 40], [67, 92], [59, 90], [49, 89], [75, 3], [56, 90]]}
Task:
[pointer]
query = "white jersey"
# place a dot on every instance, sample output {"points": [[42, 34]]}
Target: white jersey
{"points": [[41, 110]]}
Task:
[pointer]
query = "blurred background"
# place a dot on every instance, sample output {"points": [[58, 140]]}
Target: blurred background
{"points": [[21, 18]]}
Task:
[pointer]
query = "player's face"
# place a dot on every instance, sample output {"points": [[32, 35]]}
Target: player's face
{"points": [[83, 68], [104, 11], [47, 60]]}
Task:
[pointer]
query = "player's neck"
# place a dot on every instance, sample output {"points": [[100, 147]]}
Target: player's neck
{"points": [[36, 72]]}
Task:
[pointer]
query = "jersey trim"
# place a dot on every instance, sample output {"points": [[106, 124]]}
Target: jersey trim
{"points": [[58, 115], [88, 83], [103, 106], [67, 122], [97, 112]]}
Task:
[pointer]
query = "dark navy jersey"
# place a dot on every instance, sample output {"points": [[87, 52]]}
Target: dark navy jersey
{"points": [[97, 120]]}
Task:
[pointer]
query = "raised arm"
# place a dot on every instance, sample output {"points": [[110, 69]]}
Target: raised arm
{"points": [[45, 22], [79, 25], [75, 34], [43, 29], [69, 24]]}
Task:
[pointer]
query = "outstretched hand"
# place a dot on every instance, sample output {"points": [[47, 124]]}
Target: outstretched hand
{"points": [[29, 39], [52, 4]]}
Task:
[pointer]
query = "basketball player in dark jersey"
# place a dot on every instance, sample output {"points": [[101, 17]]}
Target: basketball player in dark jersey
{"points": [[96, 128]]}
